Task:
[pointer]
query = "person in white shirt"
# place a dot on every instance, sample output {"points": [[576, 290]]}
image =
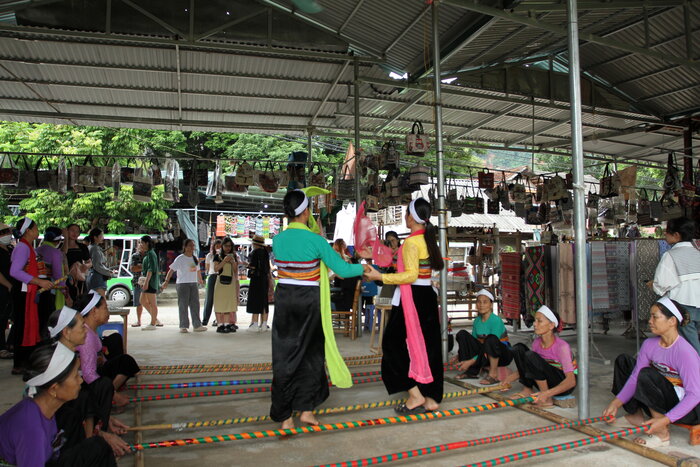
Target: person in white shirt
{"points": [[211, 280], [188, 279], [678, 274]]}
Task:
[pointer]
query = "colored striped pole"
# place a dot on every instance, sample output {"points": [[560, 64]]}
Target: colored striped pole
{"points": [[202, 384], [331, 426], [239, 365], [253, 368], [461, 444], [560, 447], [330, 410], [224, 392]]}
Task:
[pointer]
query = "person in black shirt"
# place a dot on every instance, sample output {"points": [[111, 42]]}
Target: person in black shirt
{"points": [[7, 282], [79, 262]]}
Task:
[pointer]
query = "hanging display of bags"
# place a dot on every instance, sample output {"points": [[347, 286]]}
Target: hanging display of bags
{"points": [[389, 156], [419, 175], [672, 180], [556, 188], [345, 185], [609, 183], [486, 179], [245, 174], [9, 173], [143, 185], [266, 179], [417, 142], [644, 209], [171, 180]]}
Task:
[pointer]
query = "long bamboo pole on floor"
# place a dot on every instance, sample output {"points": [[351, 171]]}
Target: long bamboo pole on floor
{"points": [[332, 426], [397, 456], [233, 368], [241, 365], [653, 454], [329, 410]]}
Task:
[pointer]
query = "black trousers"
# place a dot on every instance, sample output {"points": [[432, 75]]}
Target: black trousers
{"points": [[653, 391], [98, 400], [91, 452], [534, 368], [118, 363], [470, 347]]}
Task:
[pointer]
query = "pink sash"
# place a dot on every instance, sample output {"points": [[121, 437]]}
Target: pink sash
{"points": [[419, 368]]}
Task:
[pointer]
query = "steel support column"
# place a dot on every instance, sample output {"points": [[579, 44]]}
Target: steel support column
{"points": [[580, 266], [356, 102], [442, 213]]}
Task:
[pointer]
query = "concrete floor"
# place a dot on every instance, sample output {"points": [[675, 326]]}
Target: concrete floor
{"points": [[167, 346]]}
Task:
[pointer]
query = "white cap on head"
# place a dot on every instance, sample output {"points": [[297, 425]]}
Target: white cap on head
{"points": [[549, 314], [486, 293], [414, 214], [93, 302], [304, 204], [61, 358], [66, 316], [25, 225], [670, 306]]}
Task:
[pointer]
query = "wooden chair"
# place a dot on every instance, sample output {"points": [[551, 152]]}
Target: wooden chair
{"points": [[345, 321]]}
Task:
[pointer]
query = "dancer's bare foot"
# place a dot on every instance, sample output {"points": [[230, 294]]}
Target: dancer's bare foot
{"points": [[430, 404], [120, 400], [309, 418], [288, 424], [413, 402]]}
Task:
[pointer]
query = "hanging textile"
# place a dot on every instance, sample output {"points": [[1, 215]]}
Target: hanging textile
{"points": [[534, 278], [646, 259], [599, 278], [618, 271], [567, 292], [220, 226], [510, 284], [551, 267]]}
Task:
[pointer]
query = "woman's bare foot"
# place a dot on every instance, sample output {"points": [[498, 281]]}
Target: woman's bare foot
{"points": [[116, 426], [413, 402], [288, 424], [545, 403], [309, 418], [431, 405]]}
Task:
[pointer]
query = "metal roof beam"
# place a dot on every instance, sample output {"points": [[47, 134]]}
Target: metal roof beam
{"points": [[646, 75], [652, 46], [354, 42], [599, 136], [101, 38], [483, 122], [405, 30], [668, 93], [171, 91], [152, 107], [539, 132], [472, 5], [350, 16], [330, 91], [400, 112], [630, 152], [464, 91], [597, 5], [228, 24], [228, 74], [155, 19]]}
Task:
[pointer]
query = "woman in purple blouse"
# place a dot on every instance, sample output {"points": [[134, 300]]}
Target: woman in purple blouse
{"points": [[663, 385]]}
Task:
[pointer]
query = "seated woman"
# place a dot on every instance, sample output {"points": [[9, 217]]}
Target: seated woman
{"points": [[28, 432], [487, 346], [114, 363], [663, 383], [549, 365], [93, 406]]}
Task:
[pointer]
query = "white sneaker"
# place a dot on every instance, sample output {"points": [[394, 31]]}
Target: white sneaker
{"points": [[183, 331], [265, 327], [253, 327], [149, 327], [200, 329]]}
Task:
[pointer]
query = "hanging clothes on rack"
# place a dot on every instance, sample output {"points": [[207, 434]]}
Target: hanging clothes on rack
{"points": [[618, 270], [600, 298]]}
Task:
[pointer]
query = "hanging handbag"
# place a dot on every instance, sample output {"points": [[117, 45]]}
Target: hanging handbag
{"points": [[197, 175], [469, 202], [644, 209], [345, 185], [486, 179], [518, 192], [609, 184], [494, 207], [316, 176], [672, 180], [419, 175], [245, 174], [670, 209], [126, 175], [687, 198], [503, 195], [655, 208], [389, 156], [9, 173], [592, 201], [370, 161], [156, 172], [171, 180], [453, 202], [417, 142], [556, 188], [569, 181], [87, 178], [520, 210], [556, 215], [62, 176], [266, 179], [116, 180], [533, 216], [566, 204], [549, 237], [143, 186]]}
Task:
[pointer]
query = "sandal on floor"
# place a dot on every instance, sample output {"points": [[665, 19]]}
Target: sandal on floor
{"points": [[404, 410], [652, 441], [489, 381]]}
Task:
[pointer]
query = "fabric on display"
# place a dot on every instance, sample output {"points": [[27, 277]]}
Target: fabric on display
{"points": [[617, 269], [344, 221], [534, 278], [567, 291], [551, 262], [186, 224], [510, 284], [600, 298], [646, 259]]}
